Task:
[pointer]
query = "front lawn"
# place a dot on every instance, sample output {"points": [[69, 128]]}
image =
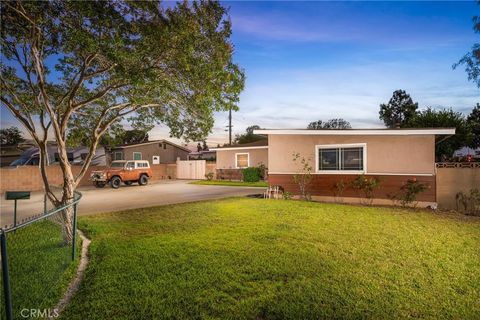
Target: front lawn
{"points": [[274, 259], [40, 267], [263, 184]]}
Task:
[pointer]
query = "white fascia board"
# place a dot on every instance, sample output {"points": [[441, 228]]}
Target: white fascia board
{"points": [[238, 148], [359, 132]]}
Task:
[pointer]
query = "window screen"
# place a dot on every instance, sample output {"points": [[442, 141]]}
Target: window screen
{"points": [[242, 160], [340, 159]]}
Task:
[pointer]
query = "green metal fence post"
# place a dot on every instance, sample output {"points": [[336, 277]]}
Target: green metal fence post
{"points": [[45, 203], [15, 213], [5, 276], [74, 240]]}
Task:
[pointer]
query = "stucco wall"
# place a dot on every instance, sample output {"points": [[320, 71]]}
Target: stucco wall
{"points": [[385, 154], [450, 181], [168, 155], [226, 158]]}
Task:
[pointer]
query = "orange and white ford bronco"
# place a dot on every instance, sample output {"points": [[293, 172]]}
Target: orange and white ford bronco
{"points": [[127, 172]]}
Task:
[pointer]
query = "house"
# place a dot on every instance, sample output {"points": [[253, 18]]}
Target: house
{"points": [[391, 155], [157, 152], [232, 159], [208, 155]]}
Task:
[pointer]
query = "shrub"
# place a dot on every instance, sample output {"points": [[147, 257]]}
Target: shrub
{"points": [[287, 195], [338, 188], [251, 174], [470, 203], [409, 191], [209, 176], [367, 186], [304, 175]]}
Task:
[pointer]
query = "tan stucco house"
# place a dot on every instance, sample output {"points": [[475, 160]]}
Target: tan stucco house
{"points": [[392, 155], [156, 152], [232, 159]]}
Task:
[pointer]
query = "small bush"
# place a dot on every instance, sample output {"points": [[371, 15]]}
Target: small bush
{"points": [[287, 195], [409, 191], [251, 174], [367, 186], [338, 189], [209, 176], [470, 203]]}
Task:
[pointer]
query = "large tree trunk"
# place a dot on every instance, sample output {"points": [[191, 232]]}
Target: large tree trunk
{"points": [[67, 213], [68, 195]]}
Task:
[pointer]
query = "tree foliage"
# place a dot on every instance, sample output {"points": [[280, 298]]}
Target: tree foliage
{"points": [[84, 66], [10, 136], [445, 118], [473, 121], [330, 124], [471, 60], [248, 136], [399, 110]]}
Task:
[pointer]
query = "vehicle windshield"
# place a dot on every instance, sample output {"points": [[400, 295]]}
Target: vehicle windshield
{"points": [[117, 164], [19, 162]]}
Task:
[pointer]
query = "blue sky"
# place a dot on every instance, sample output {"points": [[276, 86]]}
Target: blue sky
{"points": [[306, 61]]}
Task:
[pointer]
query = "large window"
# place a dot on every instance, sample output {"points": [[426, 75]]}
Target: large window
{"points": [[341, 158], [137, 156], [242, 160]]}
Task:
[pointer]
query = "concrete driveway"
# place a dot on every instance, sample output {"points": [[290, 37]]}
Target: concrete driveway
{"points": [[128, 197]]}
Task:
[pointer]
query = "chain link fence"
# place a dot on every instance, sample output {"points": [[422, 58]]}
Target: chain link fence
{"points": [[37, 263]]}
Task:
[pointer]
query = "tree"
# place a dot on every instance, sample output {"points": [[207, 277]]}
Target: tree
{"points": [[134, 136], [248, 136], [86, 66], [199, 147], [473, 121], [471, 60], [10, 136], [446, 118], [204, 146], [330, 124], [399, 110]]}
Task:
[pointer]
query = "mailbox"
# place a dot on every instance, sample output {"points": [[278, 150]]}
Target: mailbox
{"points": [[17, 195]]}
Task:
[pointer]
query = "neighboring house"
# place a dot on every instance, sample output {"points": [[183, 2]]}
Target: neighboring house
{"points": [[391, 155], [208, 155], [156, 152], [232, 159]]}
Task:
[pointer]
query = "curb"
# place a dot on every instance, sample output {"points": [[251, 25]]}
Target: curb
{"points": [[75, 283]]}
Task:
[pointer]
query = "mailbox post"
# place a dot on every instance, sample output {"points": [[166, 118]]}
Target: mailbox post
{"points": [[16, 195]]}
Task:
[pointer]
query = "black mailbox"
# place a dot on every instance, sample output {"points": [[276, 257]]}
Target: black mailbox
{"points": [[17, 195]]}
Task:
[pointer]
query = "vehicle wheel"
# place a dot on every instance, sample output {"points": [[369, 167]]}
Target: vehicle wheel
{"points": [[115, 182], [143, 180], [128, 183], [99, 184]]}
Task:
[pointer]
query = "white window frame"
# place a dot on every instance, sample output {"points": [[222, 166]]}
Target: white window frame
{"points": [[141, 157], [115, 155], [248, 160], [334, 146]]}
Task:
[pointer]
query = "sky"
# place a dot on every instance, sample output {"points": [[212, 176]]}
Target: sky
{"points": [[307, 61]]}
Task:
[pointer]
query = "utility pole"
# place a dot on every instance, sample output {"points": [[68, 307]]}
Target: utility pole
{"points": [[229, 127]]}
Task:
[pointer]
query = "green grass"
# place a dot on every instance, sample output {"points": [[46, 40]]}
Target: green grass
{"points": [[40, 267], [273, 259], [263, 184]]}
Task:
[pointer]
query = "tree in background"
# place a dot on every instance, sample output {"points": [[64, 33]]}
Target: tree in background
{"points": [[330, 124], [204, 145], [248, 136], [83, 67], [473, 121], [399, 110], [199, 147], [471, 60], [10, 136], [134, 136], [446, 118]]}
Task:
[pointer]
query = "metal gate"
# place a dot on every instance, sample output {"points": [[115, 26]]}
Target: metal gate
{"points": [[191, 169]]}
